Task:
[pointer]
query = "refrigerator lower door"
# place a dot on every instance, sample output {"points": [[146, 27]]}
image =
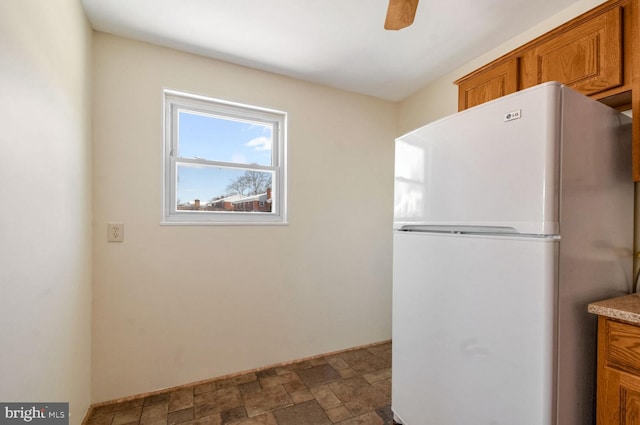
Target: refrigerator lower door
{"points": [[473, 329]]}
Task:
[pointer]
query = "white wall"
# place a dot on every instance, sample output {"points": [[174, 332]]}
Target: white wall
{"points": [[45, 219], [440, 98], [177, 304]]}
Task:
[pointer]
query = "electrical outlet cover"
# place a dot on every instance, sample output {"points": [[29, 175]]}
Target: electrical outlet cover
{"points": [[115, 232]]}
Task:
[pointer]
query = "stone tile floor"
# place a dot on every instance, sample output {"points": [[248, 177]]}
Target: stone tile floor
{"points": [[349, 388]]}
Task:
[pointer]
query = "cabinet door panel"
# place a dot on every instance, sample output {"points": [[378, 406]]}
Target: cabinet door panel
{"points": [[618, 396], [588, 58], [630, 407], [491, 84], [629, 400]]}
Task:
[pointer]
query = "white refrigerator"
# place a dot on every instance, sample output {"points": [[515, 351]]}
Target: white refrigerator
{"points": [[509, 219]]}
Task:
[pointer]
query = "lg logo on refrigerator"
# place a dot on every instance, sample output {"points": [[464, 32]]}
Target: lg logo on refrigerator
{"points": [[513, 115]]}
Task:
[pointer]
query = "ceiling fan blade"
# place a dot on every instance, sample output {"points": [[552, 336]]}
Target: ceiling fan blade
{"points": [[400, 14]]}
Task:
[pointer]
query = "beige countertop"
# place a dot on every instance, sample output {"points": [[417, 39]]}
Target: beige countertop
{"points": [[625, 308]]}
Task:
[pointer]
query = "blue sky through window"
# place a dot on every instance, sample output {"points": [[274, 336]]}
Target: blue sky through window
{"points": [[218, 139]]}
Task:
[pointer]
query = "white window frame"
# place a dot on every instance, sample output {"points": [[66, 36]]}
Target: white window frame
{"points": [[174, 102]]}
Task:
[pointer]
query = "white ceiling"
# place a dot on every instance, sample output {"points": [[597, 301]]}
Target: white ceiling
{"points": [[339, 43]]}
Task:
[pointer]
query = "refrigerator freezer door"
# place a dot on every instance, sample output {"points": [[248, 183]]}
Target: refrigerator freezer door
{"points": [[482, 167], [473, 329]]}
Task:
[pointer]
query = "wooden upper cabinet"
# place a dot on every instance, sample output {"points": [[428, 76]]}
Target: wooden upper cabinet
{"points": [[498, 81], [591, 53], [587, 57]]}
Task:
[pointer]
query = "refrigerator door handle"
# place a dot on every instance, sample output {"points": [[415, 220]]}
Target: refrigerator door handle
{"points": [[457, 229]]}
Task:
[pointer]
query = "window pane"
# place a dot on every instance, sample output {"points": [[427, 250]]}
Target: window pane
{"points": [[223, 139], [210, 188]]}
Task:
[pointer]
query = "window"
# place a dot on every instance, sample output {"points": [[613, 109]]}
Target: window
{"points": [[224, 163]]}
